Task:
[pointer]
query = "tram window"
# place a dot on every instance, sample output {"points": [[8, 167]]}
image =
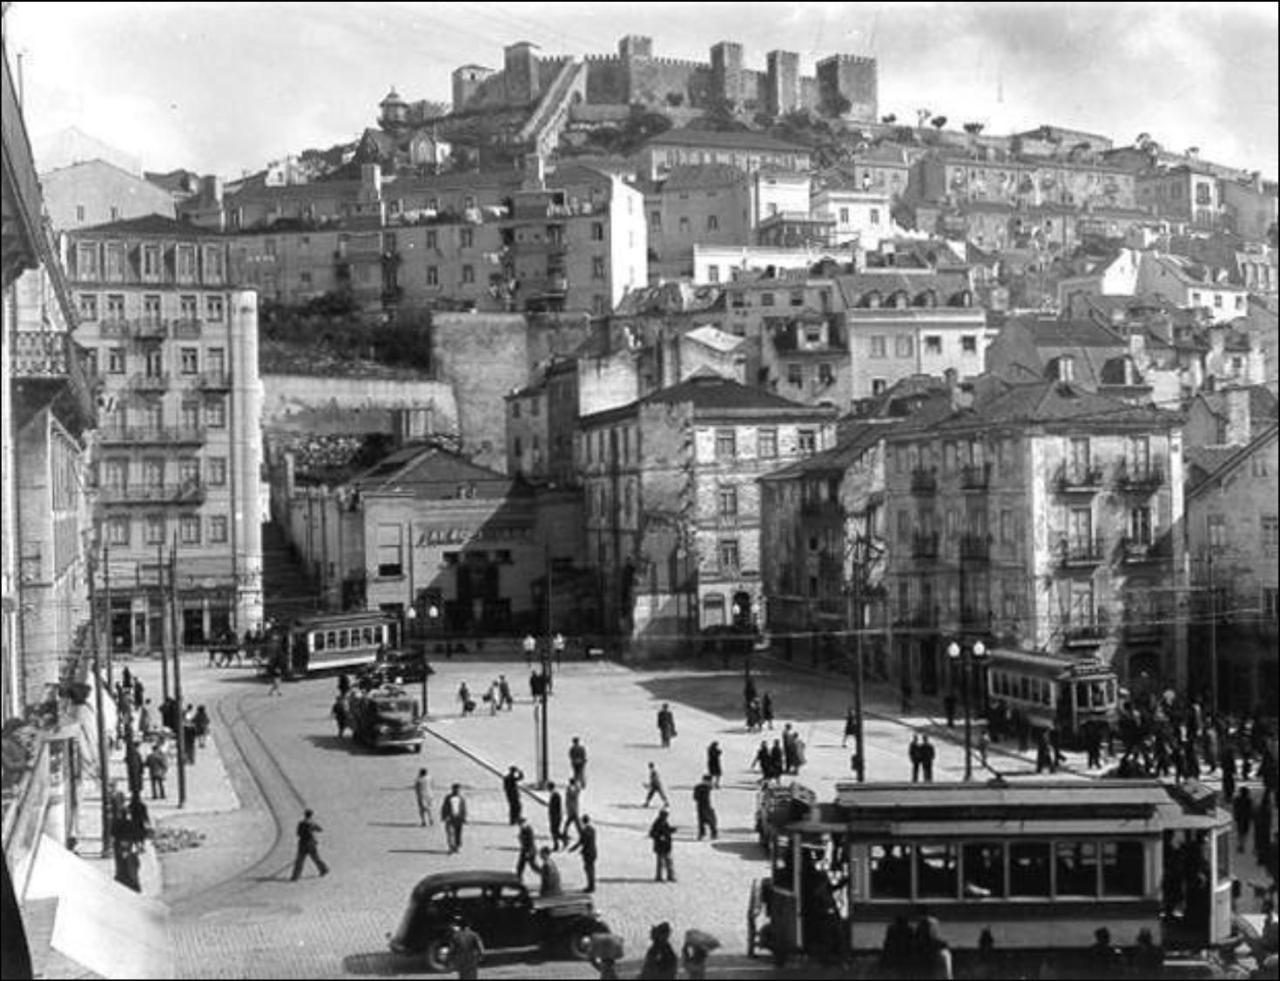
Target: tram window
{"points": [[343, 637], [318, 637], [1023, 689], [1076, 868], [983, 870], [331, 639], [1099, 694], [1082, 694], [890, 871], [1029, 868], [1223, 847], [936, 870], [1123, 868]]}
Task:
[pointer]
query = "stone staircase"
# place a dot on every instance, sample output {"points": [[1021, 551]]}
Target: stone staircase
{"points": [[542, 129], [288, 592]]}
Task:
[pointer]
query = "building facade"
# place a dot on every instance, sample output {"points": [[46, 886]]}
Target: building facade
{"points": [[672, 504], [173, 345], [1037, 517]]}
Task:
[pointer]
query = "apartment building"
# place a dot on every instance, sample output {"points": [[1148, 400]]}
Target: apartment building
{"points": [[673, 507], [1037, 516], [172, 342]]}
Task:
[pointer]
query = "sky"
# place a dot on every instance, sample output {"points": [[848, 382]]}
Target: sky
{"points": [[226, 87]]}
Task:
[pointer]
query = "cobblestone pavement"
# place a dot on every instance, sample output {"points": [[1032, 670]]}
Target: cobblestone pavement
{"points": [[236, 914]]}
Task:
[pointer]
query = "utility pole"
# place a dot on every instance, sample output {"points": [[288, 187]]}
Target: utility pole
{"points": [[1213, 636], [164, 657], [544, 734], [858, 744], [178, 720], [104, 776]]}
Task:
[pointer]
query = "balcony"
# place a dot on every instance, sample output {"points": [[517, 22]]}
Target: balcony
{"points": [[1081, 553], [187, 329], [1135, 552], [191, 492], [45, 366], [151, 435], [924, 481], [148, 329], [214, 381], [113, 328], [1084, 633], [1079, 480], [1132, 479], [975, 477], [975, 548], [149, 383], [924, 545]]}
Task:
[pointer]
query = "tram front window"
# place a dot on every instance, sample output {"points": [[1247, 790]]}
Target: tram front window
{"points": [[1029, 869], [1123, 868], [936, 871], [890, 871], [1077, 868], [983, 871]]}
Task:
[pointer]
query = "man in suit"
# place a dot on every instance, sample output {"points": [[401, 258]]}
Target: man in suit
{"points": [[453, 812], [308, 846], [587, 845], [555, 818], [528, 845]]}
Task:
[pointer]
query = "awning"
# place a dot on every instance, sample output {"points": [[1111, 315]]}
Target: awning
{"points": [[107, 928]]}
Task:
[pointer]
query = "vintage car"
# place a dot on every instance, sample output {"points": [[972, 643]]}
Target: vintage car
{"points": [[498, 907], [386, 718]]}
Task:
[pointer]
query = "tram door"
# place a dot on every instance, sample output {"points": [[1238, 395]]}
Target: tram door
{"points": [[784, 912]]}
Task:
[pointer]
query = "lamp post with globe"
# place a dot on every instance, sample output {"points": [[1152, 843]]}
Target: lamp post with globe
{"points": [[967, 656]]}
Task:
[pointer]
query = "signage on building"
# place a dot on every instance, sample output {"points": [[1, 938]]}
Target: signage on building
{"points": [[456, 536]]}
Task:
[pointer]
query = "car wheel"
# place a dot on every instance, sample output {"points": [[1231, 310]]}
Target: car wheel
{"points": [[439, 955], [579, 945]]}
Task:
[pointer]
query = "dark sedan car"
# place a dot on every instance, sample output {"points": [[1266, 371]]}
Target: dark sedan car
{"points": [[498, 907]]}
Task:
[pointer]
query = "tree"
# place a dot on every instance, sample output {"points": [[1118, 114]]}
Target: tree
{"points": [[973, 129], [889, 120], [938, 122]]}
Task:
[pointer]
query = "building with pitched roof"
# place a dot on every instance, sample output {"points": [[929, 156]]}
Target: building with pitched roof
{"points": [[673, 507], [1232, 533], [96, 192], [709, 204], [1037, 516], [172, 340]]}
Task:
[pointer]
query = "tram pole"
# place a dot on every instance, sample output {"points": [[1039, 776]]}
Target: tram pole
{"points": [[179, 720], [855, 595]]}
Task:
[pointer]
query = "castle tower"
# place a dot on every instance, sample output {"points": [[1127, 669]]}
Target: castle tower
{"points": [[783, 82], [466, 80], [851, 78], [520, 72], [394, 111], [635, 46], [726, 72]]}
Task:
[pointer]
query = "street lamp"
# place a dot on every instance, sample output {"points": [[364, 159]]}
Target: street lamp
{"points": [[966, 656]]}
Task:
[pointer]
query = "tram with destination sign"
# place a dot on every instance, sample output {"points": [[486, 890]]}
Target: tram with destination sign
{"points": [[1039, 865]]}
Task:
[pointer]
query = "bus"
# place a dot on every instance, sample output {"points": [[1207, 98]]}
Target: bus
{"points": [[1041, 865], [330, 641], [1054, 691]]}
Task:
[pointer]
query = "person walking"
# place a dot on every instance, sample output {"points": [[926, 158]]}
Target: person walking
{"points": [[308, 846], [586, 844], [949, 706], [202, 726], [655, 788], [422, 796], [465, 701], [157, 767], [555, 817], [466, 949], [714, 765], [530, 649], [504, 694], [788, 749], [927, 754], [527, 843], [511, 788], [578, 761], [453, 812], [666, 725], [273, 673], [146, 720], [572, 808], [913, 753], [662, 834], [706, 812], [557, 648], [850, 726], [766, 710], [340, 714]]}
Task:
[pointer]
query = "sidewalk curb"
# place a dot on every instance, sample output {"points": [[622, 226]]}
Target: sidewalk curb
{"points": [[481, 761]]}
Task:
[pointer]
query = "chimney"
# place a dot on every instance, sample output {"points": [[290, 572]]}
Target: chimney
{"points": [[535, 172], [211, 189], [1066, 368], [1138, 347], [1239, 425]]}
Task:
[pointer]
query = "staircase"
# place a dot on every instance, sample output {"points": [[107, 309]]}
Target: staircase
{"points": [[543, 128], [288, 591]]}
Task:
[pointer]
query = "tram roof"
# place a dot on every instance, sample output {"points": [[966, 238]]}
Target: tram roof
{"points": [[341, 619], [1020, 807], [1049, 665]]}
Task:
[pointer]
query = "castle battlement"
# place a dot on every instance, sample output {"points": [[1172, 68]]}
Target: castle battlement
{"points": [[848, 59]]}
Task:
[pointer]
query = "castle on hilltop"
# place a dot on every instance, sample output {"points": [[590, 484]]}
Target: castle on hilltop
{"points": [[844, 86]]}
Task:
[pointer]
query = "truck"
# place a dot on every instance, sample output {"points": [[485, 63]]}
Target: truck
{"points": [[386, 718]]}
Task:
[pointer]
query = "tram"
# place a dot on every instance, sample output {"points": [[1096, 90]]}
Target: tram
{"points": [[1053, 691], [1039, 864], [331, 641]]}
